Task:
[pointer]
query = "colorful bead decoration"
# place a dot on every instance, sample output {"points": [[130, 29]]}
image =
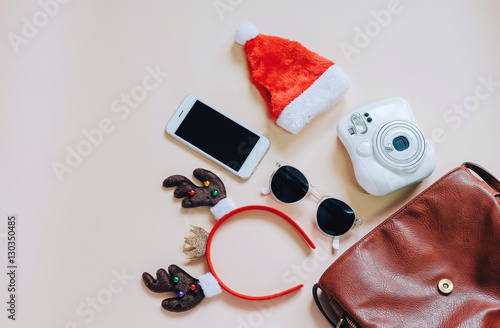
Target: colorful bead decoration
{"points": [[192, 287], [206, 183], [191, 192], [181, 294], [215, 192], [176, 279]]}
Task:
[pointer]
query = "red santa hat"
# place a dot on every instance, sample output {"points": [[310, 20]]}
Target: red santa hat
{"points": [[296, 83]]}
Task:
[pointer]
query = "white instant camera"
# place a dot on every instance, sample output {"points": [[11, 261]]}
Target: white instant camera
{"points": [[387, 149]]}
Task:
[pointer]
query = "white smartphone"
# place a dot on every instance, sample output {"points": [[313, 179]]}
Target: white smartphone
{"points": [[214, 134]]}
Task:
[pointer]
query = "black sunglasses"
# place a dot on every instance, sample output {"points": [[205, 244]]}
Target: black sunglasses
{"points": [[333, 216]]}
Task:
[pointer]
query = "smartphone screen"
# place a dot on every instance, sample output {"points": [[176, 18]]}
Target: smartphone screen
{"points": [[217, 135]]}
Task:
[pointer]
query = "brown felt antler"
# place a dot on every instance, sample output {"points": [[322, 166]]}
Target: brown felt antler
{"points": [[188, 289], [209, 194]]}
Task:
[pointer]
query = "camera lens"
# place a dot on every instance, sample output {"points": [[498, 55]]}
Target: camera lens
{"points": [[400, 143]]}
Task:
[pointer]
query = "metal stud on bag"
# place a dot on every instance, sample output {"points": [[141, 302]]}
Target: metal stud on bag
{"points": [[445, 286]]}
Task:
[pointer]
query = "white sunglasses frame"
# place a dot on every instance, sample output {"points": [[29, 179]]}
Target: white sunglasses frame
{"points": [[320, 196]]}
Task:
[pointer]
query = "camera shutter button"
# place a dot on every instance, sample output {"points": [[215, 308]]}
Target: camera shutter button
{"points": [[364, 148]]}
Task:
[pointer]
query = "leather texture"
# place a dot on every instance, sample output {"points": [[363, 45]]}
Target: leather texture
{"points": [[450, 231]]}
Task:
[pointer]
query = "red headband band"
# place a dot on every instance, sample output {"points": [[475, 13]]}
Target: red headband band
{"points": [[244, 209]]}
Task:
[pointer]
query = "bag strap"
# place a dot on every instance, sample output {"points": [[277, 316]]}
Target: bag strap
{"points": [[485, 175], [318, 304]]}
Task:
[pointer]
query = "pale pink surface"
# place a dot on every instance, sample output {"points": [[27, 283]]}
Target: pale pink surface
{"points": [[111, 214]]}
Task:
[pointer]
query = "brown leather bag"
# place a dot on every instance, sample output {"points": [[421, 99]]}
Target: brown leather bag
{"points": [[434, 263]]}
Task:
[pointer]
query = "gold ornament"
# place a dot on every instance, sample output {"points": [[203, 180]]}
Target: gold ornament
{"points": [[197, 244]]}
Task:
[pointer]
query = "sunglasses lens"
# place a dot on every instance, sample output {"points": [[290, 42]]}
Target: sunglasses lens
{"points": [[335, 217], [289, 185]]}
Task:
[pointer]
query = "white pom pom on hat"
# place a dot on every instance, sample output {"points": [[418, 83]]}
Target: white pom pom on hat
{"points": [[245, 32]]}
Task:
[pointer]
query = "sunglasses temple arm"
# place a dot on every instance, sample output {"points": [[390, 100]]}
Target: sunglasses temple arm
{"points": [[265, 191], [336, 242]]}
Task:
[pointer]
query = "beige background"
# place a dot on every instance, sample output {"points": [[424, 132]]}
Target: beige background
{"points": [[110, 216]]}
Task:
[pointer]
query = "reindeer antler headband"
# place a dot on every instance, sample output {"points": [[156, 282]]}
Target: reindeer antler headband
{"points": [[191, 291]]}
